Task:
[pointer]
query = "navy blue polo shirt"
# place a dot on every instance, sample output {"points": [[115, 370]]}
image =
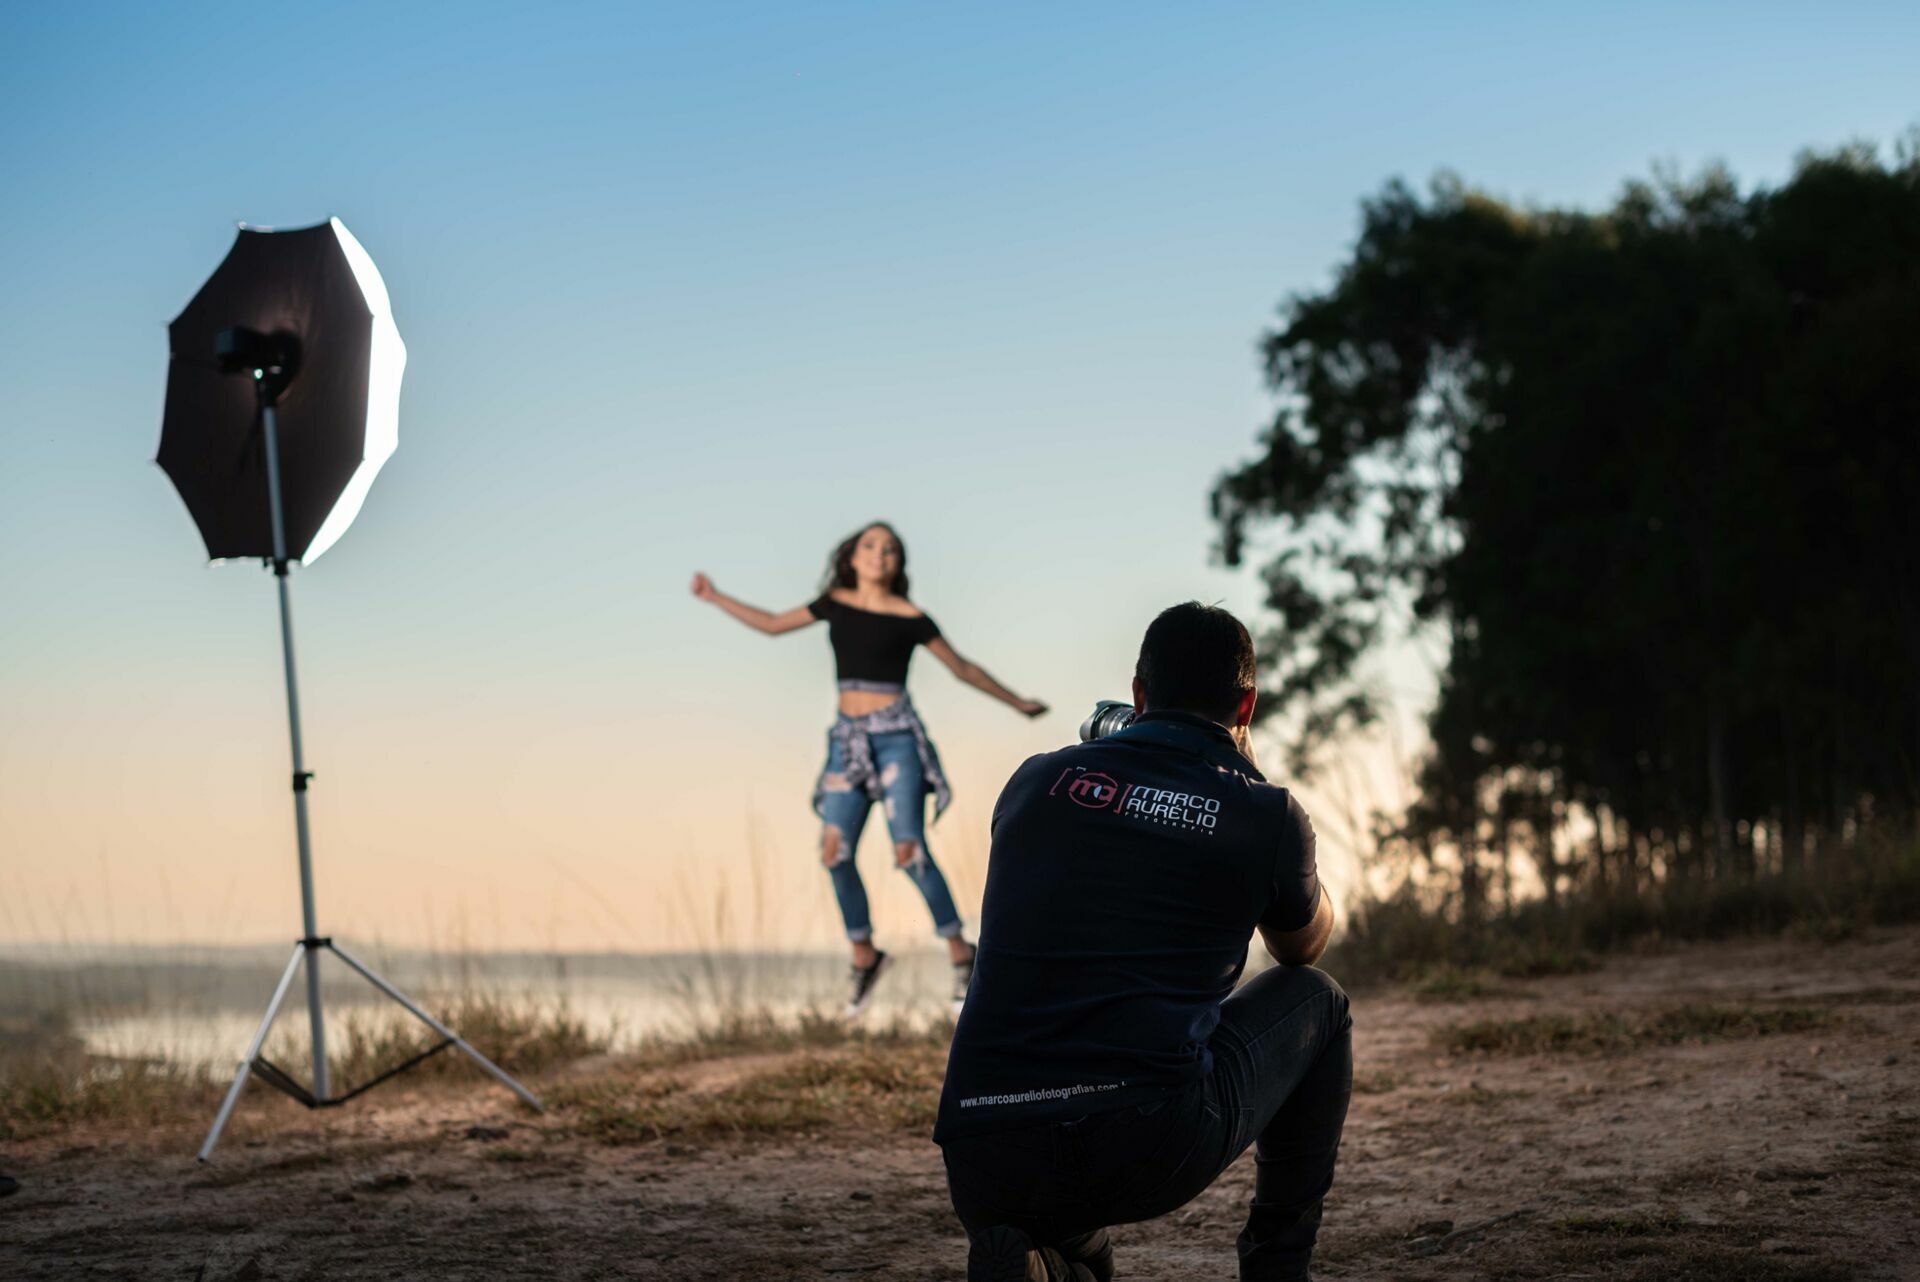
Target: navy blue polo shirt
{"points": [[1125, 880]]}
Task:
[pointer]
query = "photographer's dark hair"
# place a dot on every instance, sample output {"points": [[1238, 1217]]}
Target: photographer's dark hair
{"points": [[1196, 658], [840, 563]]}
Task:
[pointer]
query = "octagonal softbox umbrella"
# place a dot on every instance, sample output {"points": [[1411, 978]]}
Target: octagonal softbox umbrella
{"points": [[283, 400], [316, 293]]}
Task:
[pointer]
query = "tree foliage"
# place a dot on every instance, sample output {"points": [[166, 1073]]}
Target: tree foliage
{"points": [[1652, 473]]}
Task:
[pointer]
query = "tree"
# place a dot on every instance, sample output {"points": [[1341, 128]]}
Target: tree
{"points": [[1652, 474]]}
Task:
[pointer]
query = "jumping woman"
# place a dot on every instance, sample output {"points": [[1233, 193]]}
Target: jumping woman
{"points": [[877, 749]]}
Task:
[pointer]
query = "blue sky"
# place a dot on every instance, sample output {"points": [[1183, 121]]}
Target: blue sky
{"points": [[704, 287]]}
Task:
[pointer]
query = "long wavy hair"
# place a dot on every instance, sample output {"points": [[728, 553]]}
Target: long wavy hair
{"points": [[840, 564]]}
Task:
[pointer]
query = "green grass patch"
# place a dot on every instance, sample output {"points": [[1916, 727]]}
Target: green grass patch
{"points": [[1605, 1032]]}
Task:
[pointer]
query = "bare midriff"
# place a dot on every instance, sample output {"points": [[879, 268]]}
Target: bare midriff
{"points": [[858, 703]]}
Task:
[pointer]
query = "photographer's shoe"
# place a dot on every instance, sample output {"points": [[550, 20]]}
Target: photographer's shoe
{"points": [[863, 979], [1003, 1254], [962, 980], [8, 1185], [1094, 1253]]}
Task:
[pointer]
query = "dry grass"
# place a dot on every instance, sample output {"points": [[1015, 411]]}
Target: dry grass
{"points": [[519, 1037], [1669, 1249], [1411, 935], [886, 1086], [735, 1031], [1474, 1095], [1544, 960], [49, 1082], [1604, 1032], [886, 1075], [1445, 983], [54, 1095], [1376, 1081], [1620, 1247]]}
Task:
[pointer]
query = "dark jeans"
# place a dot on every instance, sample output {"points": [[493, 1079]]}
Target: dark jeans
{"points": [[1282, 1073]]}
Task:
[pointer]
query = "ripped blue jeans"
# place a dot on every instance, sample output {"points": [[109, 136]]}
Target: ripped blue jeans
{"points": [[903, 791]]}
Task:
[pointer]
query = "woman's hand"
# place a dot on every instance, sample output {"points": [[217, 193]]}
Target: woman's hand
{"points": [[977, 677], [703, 587]]}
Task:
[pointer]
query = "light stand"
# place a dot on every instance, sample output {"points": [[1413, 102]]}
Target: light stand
{"points": [[273, 360]]}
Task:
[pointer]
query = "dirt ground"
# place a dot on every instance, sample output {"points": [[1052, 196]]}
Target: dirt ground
{"points": [[1760, 1154]]}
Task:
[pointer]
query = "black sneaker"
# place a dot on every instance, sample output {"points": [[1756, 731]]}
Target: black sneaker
{"points": [[8, 1185], [863, 979], [1003, 1254], [962, 980]]}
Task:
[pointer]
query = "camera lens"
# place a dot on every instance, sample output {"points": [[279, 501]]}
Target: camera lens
{"points": [[1108, 716]]}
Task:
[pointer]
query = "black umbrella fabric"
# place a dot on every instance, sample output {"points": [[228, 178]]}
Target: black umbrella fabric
{"points": [[338, 416]]}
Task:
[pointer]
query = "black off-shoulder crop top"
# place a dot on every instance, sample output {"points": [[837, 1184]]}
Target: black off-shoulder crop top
{"points": [[868, 646]]}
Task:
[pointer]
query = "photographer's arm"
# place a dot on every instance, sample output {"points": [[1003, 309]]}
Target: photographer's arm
{"points": [[1296, 887], [1304, 946], [753, 616], [980, 679]]}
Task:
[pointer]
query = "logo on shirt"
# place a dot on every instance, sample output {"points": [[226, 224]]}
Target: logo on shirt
{"points": [[1092, 789], [1095, 790]]}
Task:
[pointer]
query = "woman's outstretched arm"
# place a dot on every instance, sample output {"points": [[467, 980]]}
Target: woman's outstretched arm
{"points": [[980, 679], [752, 615]]}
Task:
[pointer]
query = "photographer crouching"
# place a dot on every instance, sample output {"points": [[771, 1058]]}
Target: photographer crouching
{"points": [[1104, 1070]]}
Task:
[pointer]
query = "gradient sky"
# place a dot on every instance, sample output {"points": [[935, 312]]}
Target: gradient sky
{"points": [[705, 287]]}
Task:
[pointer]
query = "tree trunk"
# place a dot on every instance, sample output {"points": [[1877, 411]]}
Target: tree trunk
{"points": [[1601, 873], [1837, 786], [1717, 791], [1472, 892], [1629, 857], [1543, 853], [1505, 838], [1793, 831]]}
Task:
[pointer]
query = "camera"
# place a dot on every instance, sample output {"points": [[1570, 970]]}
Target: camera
{"points": [[1108, 716]]}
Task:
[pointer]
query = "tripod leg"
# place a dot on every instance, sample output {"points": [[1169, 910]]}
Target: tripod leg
{"points": [[253, 1052], [438, 1027]]}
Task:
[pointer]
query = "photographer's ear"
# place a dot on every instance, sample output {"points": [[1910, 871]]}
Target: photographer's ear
{"points": [[1139, 697], [1243, 712]]}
